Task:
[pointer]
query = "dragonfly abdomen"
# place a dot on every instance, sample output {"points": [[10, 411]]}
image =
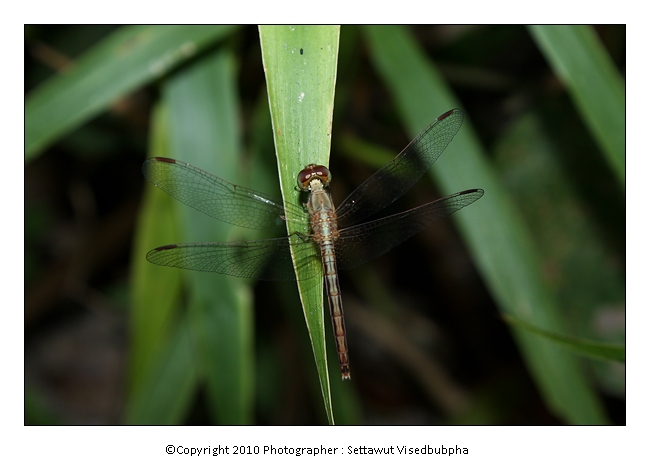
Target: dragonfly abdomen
{"points": [[336, 307], [325, 233]]}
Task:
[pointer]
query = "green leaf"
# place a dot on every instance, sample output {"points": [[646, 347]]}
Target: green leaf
{"points": [[127, 59], [584, 270], [162, 375], [300, 65], [492, 229], [204, 120], [164, 392], [583, 346], [583, 65]]}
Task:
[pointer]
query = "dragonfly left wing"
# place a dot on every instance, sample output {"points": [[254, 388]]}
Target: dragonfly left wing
{"points": [[358, 244]]}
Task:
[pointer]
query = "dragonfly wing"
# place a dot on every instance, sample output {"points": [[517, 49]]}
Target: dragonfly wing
{"points": [[268, 259], [359, 244], [217, 197], [401, 173]]}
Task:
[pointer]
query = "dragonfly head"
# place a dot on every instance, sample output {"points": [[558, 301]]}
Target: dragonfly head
{"points": [[313, 172]]}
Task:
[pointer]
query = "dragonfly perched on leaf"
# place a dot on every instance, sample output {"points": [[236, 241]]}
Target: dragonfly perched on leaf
{"points": [[329, 238]]}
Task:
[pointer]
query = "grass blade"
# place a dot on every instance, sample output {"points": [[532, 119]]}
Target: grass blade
{"points": [[204, 119], [492, 228], [300, 65], [584, 66], [594, 349], [127, 59], [162, 376]]}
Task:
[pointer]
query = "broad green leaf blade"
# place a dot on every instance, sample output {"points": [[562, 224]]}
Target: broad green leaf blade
{"points": [[204, 120], [584, 66], [129, 58], [300, 65], [164, 394], [594, 349], [162, 378], [583, 268], [493, 231]]}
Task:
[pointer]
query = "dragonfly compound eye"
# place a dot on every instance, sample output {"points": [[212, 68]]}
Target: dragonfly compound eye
{"points": [[311, 172]]}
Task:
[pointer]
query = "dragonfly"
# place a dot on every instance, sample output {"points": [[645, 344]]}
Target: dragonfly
{"points": [[328, 237]]}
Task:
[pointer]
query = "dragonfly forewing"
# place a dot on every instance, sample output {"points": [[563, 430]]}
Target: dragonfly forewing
{"points": [[401, 173], [219, 198]]}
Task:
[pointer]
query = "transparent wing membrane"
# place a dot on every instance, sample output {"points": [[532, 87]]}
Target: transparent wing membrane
{"points": [[401, 173]]}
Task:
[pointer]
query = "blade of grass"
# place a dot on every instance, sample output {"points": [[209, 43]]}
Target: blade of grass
{"points": [[594, 349], [583, 266], [595, 85], [164, 393], [127, 59], [162, 379], [493, 231], [300, 66], [204, 120]]}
